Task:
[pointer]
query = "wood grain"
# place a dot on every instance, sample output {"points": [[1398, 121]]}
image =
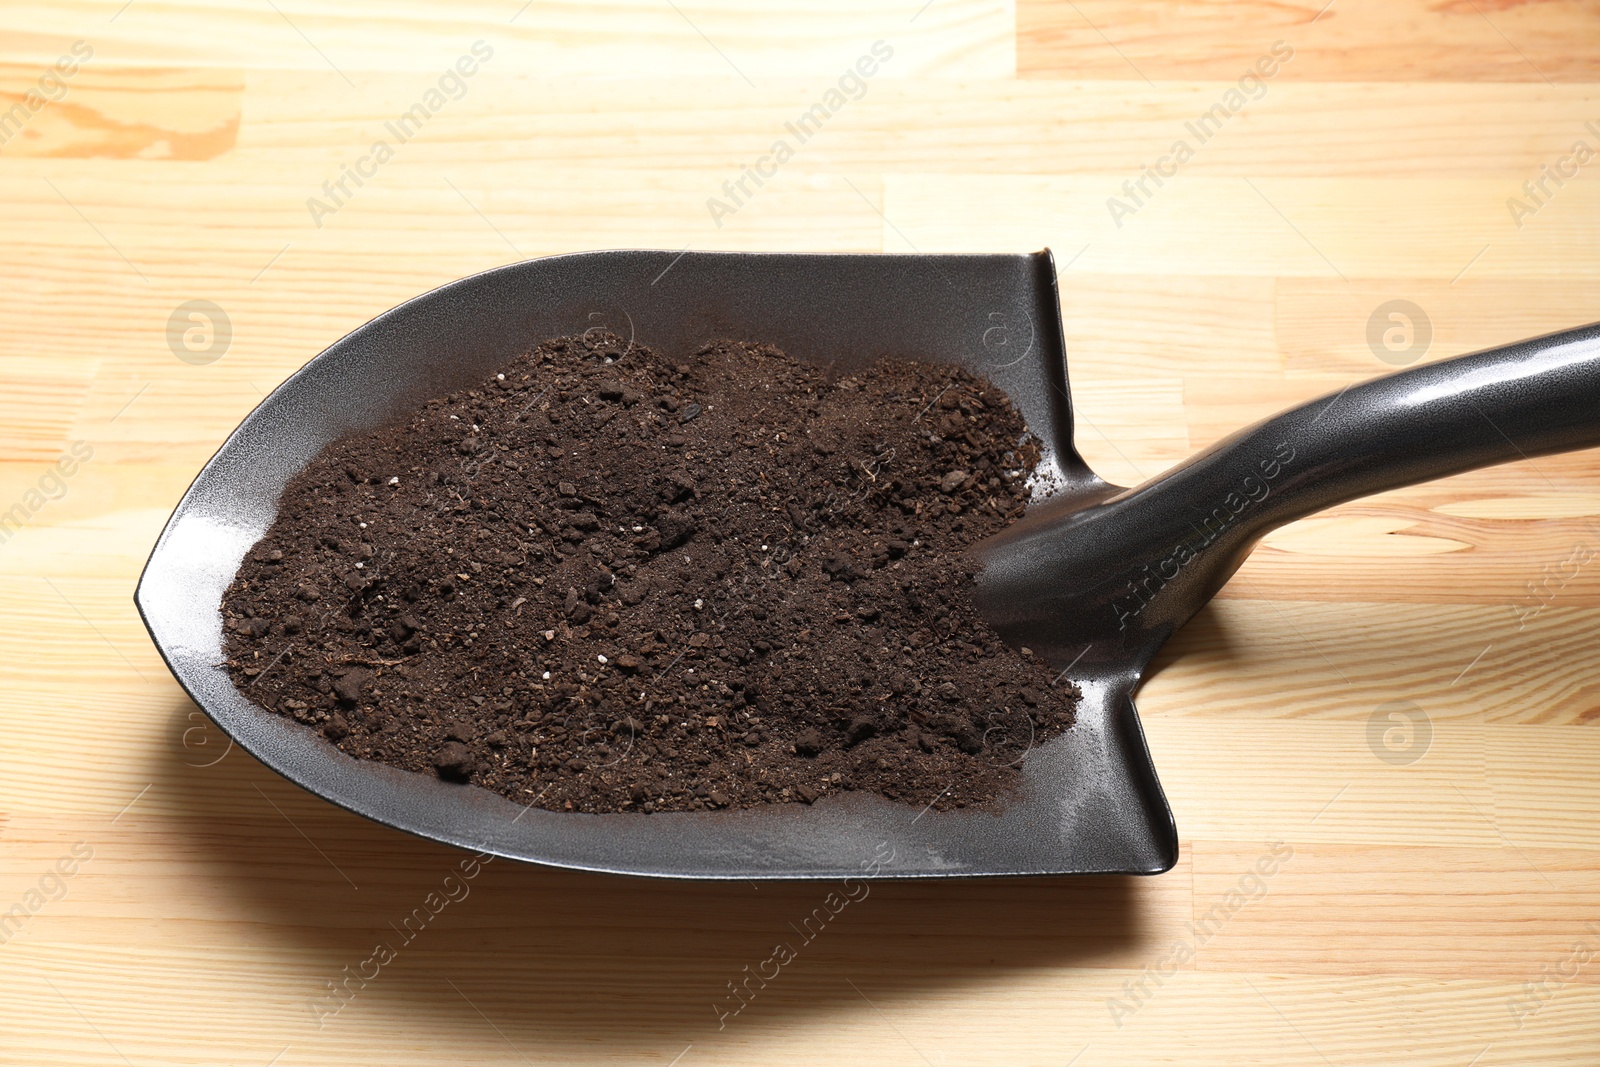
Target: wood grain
{"points": [[1346, 40], [1071, 125], [126, 113], [341, 41], [1442, 892]]}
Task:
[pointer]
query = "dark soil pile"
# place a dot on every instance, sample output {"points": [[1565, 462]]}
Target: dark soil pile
{"points": [[608, 580]]}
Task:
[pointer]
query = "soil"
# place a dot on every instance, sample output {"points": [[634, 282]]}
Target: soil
{"points": [[607, 579]]}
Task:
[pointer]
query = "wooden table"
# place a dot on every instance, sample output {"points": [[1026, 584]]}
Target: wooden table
{"points": [[1399, 691]]}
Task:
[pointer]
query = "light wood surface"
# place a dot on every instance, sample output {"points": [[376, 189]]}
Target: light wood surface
{"points": [[1443, 911]]}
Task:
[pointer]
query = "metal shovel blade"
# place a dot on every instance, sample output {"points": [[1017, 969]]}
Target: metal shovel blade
{"points": [[1090, 801]]}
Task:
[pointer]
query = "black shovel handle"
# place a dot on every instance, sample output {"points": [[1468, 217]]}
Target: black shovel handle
{"points": [[1520, 401], [1124, 572]]}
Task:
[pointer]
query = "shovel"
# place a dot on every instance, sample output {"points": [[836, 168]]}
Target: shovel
{"points": [[1094, 577]]}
